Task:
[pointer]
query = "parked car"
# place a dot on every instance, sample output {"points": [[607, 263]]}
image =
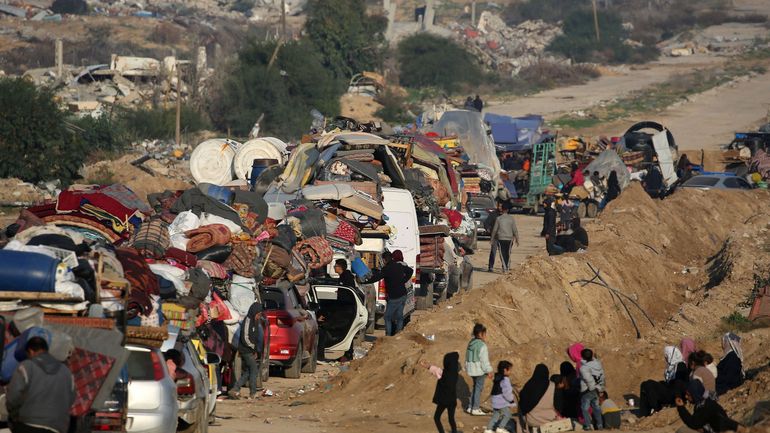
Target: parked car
{"points": [[293, 331], [479, 207], [344, 317], [192, 388], [152, 394], [716, 181], [369, 291]]}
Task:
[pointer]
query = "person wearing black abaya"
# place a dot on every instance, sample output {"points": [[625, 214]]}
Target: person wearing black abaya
{"points": [[445, 396], [536, 402], [570, 391], [613, 189]]}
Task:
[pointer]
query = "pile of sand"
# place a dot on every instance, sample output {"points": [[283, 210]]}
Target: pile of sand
{"points": [[655, 252]]}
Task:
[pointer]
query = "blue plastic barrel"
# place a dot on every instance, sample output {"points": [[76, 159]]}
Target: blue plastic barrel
{"points": [[219, 193], [257, 167], [22, 271]]}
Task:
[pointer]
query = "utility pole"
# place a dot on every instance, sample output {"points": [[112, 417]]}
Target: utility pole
{"points": [[283, 19], [596, 21], [473, 13], [178, 107]]}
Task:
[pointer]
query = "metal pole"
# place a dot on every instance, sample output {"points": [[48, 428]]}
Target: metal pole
{"points": [[283, 19], [596, 21], [178, 107], [59, 45], [473, 13]]}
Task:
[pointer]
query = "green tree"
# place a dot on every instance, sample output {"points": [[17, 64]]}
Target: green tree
{"points": [[350, 40], [284, 93], [427, 60], [35, 141], [579, 40]]}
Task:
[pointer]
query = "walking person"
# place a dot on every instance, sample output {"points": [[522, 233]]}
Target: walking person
{"points": [[250, 346], [505, 234], [502, 399], [591, 384], [445, 396], [478, 104], [396, 274], [478, 367], [40, 393], [489, 224]]}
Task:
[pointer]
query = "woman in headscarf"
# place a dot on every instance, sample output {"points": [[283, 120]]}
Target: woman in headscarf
{"points": [[613, 189], [730, 368], [536, 398], [653, 394], [445, 396], [568, 401], [687, 346], [707, 414], [574, 353]]}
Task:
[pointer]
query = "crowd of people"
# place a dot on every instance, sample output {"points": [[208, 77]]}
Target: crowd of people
{"points": [[577, 396]]}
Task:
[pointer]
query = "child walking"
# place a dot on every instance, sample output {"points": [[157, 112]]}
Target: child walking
{"points": [[445, 396], [502, 399]]}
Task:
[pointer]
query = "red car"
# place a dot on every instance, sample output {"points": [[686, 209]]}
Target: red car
{"points": [[293, 331]]}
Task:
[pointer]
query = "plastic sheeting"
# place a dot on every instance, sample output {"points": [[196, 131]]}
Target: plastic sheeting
{"points": [[472, 135], [513, 134], [608, 161], [665, 158]]}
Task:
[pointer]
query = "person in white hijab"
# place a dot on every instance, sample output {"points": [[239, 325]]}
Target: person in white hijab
{"points": [[730, 367], [673, 357]]}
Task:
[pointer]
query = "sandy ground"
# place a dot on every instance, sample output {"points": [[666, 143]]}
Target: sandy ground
{"points": [[284, 412]]}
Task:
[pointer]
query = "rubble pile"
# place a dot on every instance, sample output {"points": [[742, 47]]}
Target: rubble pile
{"points": [[127, 81], [509, 49]]}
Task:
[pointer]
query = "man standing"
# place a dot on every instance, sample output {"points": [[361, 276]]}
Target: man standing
{"points": [[478, 104], [549, 228], [41, 392], [250, 346], [396, 274], [489, 224], [505, 234]]}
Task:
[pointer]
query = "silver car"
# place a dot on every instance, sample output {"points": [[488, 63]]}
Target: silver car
{"points": [[152, 399], [194, 392], [716, 181]]}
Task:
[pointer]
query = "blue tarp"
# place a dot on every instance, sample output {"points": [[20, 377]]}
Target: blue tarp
{"points": [[513, 134]]}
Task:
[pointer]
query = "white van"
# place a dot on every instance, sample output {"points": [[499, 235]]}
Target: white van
{"points": [[398, 207]]}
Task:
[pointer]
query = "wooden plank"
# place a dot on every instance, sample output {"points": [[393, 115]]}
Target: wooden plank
{"points": [[37, 296]]}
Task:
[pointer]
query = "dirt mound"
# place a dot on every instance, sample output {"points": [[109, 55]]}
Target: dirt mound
{"points": [[655, 253], [170, 177]]}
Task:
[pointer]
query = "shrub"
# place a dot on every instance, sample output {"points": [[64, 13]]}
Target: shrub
{"points": [[394, 108], [101, 134], [284, 93], [72, 7], [349, 39], [551, 11], [158, 123], [547, 75], [579, 40], [35, 140], [243, 6], [165, 33], [427, 60]]}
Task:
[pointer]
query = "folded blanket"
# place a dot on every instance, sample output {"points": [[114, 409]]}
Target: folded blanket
{"points": [[207, 236], [315, 251], [241, 260]]}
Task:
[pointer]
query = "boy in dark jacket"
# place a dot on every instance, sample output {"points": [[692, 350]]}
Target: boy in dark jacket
{"points": [[41, 392], [250, 345], [708, 415]]}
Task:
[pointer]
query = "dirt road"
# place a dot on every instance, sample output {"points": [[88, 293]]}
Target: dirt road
{"points": [[285, 411]]}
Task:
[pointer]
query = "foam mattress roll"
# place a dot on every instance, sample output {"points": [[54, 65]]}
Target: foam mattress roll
{"points": [[257, 148], [212, 161], [22, 271]]}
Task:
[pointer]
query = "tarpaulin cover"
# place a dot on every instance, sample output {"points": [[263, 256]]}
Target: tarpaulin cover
{"points": [[472, 135], [608, 161], [512, 134], [106, 343]]}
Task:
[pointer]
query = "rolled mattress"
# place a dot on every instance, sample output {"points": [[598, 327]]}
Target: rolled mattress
{"points": [[212, 161], [257, 148]]}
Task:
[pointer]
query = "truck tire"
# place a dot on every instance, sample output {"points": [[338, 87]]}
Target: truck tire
{"points": [[581, 210], [442, 296], [592, 209], [312, 363], [293, 371]]}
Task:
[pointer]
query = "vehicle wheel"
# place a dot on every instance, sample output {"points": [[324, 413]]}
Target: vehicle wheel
{"points": [[581, 210], [312, 363], [293, 371], [592, 209]]}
